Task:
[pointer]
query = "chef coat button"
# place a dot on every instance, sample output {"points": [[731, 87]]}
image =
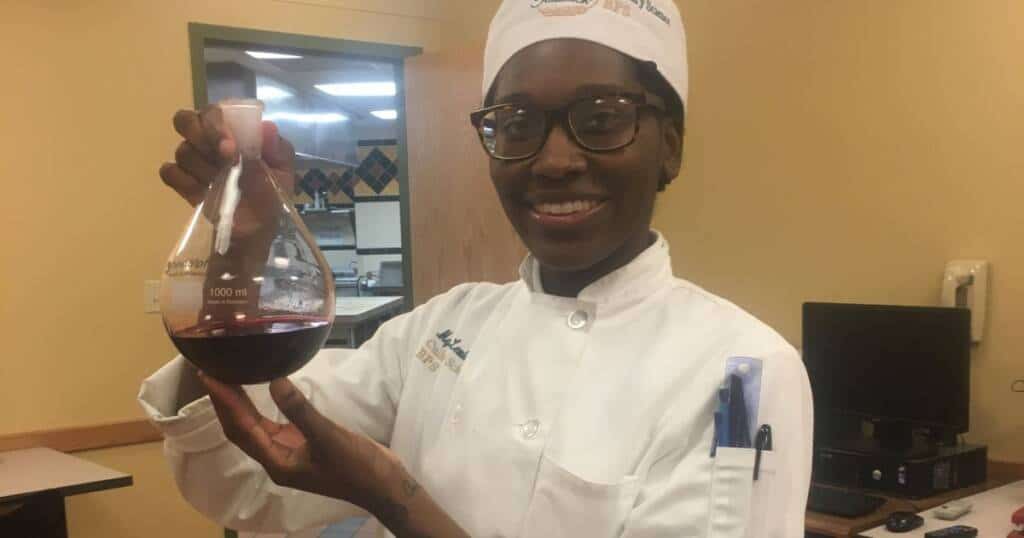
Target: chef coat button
{"points": [[529, 428], [456, 414], [578, 319]]}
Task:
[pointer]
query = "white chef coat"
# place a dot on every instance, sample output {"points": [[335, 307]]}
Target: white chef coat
{"points": [[527, 414]]}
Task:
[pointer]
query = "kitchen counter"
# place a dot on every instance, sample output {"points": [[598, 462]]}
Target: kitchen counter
{"points": [[356, 318], [356, 309]]}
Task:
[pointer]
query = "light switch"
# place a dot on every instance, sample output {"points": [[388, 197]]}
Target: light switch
{"points": [[965, 285], [151, 297]]}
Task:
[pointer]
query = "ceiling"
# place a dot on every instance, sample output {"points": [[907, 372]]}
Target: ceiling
{"points": [[299, 77]]}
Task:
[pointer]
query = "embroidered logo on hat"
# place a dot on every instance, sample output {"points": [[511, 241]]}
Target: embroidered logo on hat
{"points": [[648, 6], [562, 8], [568, 8]]}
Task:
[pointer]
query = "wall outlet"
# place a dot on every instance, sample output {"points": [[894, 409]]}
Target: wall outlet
{"points": [[151, 296], [965, 285]]}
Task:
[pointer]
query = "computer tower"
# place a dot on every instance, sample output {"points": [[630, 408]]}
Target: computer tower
{"points": [[950, 468]]}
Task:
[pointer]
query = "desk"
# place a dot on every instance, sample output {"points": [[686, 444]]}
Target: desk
{"points": [[33, 484], [990, 514], [355, 318], [836, 526], [1000, 473]]}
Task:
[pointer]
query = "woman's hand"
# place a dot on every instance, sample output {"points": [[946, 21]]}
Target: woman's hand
{"points": [[311, 453], [316, 455], [208, 146]]}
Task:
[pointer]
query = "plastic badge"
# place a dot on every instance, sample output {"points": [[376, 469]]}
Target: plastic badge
{"points": [[749, 371]]}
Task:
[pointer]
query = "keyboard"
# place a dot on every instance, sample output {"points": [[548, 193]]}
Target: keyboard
{"points": [[841, 502]]}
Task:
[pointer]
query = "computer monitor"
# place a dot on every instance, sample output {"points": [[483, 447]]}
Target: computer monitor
{"points": [[900, 367]]}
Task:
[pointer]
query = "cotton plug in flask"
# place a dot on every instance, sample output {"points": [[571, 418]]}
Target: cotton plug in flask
{"points": [[246, 295]]}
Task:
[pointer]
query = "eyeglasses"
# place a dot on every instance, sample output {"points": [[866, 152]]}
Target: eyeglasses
{"points": [[513, 131]]}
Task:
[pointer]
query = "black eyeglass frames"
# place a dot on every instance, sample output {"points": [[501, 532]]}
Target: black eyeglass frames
{"points": [[511, 131]]}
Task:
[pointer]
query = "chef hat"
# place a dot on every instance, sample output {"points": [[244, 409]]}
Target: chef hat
{"points": [[647, 30]]}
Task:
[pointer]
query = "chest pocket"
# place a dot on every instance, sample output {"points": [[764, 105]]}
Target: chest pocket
{"points": [[739, 505], [764, 517], [565, 504]]}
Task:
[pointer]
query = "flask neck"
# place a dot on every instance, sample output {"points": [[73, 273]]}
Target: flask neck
{"points": [[250, 153], [244, 118], [250, 145]]}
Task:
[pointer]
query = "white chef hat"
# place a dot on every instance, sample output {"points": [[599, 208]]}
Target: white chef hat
{"points": [[647, 30]]}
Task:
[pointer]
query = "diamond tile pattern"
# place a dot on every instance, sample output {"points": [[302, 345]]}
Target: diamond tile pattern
{"points": [[377, 170], [376, 175], [336, 187], [315, 180]]}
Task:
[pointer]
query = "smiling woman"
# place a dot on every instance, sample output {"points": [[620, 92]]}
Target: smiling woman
{"points": [[579, 185], [576, 401]]}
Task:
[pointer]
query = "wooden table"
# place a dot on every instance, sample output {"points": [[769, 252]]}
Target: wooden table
{"points": [[354, 316], [34, 483]]}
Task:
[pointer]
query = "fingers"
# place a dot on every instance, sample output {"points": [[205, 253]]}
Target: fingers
{"points": [[217, 132], [207, 145], [207, 133], [241, 421], [317, 428], [277, 151], [189, 124], [183, 183], [232, 402], [193, 162]]}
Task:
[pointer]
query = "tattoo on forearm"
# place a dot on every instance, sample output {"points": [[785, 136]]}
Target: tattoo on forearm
{"points": [[410, 487], [396, 516]]}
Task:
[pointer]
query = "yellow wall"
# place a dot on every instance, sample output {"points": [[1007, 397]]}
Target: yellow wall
{"points": [[845, 151], [88, 90], [466, 23]]}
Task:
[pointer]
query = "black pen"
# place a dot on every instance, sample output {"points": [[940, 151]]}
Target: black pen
{"points": [[762, 443]]}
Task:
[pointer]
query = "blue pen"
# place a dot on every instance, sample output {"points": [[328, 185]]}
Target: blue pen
{"points": [[722, 436]]}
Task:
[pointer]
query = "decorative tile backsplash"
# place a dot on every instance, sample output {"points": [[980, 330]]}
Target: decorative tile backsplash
{"points": [[375, 176]]}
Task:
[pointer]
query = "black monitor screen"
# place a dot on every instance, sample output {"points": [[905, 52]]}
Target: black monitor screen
{"points": [[906, 364]]}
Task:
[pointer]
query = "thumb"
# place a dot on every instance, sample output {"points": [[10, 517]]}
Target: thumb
{"points": [[277, 152], [314, 426]]}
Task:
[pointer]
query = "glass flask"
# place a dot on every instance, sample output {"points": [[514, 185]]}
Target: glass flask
{"points": [[246, 295]]}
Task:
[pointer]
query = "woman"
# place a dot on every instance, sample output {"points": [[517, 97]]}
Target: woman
{"points": [[578, 401]]}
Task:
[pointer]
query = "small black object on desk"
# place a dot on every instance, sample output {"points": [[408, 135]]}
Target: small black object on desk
{"points": [[903, 522], [842, 502], [956, 531]]}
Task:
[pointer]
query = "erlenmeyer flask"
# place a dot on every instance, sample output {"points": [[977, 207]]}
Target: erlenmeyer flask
{"points": [[247, 296]]}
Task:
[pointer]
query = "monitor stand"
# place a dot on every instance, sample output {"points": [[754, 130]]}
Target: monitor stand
{"points": [[891, 439]]}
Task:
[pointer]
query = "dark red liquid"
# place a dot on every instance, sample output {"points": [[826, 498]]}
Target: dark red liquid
{"points": [[254, 351]]}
